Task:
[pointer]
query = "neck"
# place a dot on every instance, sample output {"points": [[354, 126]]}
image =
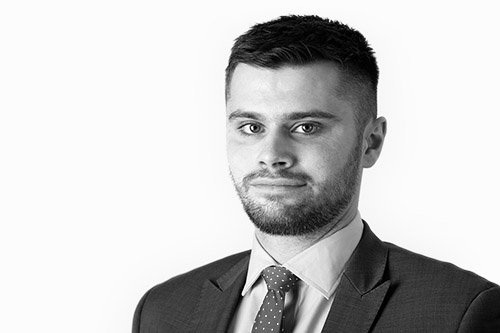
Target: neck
{"points": [[283, 248]]}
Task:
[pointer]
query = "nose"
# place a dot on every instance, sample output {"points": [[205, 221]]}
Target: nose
{"points": [[276, 152]]}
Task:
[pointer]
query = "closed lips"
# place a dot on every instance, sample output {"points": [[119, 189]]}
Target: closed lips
{"points": [[277, 182]]}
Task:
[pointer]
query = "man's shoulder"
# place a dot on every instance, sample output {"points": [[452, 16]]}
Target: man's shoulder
{"points": [[193, 280], [169, 306], [422, 272], [431, 295]]}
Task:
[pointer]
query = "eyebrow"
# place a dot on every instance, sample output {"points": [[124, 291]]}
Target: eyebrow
{"points": [[291, 116]]}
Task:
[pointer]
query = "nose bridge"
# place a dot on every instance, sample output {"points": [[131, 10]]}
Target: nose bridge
{"points": [[276, 151]]}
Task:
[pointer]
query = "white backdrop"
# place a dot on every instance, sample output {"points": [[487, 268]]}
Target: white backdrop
{"points": [[113, 173]]}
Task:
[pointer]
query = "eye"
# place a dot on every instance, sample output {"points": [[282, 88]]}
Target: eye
{"points": [[252, 128], [306, 128]]}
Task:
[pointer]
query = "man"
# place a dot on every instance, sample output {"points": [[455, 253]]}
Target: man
{"points": [[301, 126]]}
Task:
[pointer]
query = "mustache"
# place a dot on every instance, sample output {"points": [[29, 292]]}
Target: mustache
{"points": [[282, 174]]}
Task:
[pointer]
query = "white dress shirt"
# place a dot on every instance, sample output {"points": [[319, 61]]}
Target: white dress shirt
{"points": [[319, 269]]}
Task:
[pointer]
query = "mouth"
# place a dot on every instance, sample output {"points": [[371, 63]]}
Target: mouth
{"points": [[277, 182], [277, 186]]}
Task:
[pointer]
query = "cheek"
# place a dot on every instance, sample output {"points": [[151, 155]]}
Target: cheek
{"points": [[322, 162], [239, 159]]}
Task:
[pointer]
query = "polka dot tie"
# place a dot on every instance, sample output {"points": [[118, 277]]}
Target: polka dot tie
{"points": [[279, 280]]}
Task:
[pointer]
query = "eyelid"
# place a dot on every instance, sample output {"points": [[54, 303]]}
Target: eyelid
{"points": [[316, 126], [244, 124]]}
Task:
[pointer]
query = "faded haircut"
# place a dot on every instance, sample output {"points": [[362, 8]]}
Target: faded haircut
{"points": [[300, 40]]}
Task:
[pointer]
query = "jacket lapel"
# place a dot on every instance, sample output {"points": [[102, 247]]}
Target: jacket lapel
{"points": [[361, 290], [219, 299]]}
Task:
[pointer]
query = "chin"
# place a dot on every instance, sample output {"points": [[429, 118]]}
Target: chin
{"points": [[279, 227]]}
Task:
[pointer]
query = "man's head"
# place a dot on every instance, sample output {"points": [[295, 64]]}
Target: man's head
{"points": [[301, 122]]}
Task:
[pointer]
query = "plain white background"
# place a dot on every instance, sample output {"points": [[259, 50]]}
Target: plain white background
{"points": [[113, 173]]}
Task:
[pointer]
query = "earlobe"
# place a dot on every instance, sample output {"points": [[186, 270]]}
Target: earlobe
{"points": [[373, 141]]}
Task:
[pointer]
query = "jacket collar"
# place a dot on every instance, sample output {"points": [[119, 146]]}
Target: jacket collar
{"points": [[362, 288], [219, 299]]}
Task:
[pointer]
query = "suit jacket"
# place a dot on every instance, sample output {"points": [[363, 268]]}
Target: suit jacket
{"points": [[384, 289]]}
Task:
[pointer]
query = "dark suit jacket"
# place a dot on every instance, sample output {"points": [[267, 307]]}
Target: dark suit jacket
{"points": [[384, 289]]}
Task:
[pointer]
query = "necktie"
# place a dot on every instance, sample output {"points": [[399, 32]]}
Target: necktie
{"points": [[279, 280]]}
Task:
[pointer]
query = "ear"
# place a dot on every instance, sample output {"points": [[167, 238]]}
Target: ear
{"points": [[373, 140]]}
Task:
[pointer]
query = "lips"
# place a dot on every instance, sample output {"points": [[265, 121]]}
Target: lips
{"points": [[277, 182]]}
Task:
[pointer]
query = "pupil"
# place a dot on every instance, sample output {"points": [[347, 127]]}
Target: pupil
{"points": [[254, 128], [307, 128]]}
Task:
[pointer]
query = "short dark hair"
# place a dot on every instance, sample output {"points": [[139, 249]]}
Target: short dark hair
{"points": [[301, 40]]}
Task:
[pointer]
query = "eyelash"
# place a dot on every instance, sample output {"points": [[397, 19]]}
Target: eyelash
{"points": [[316, 127], [247, 125]]}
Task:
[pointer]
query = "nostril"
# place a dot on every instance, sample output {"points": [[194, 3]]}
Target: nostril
{"points": [[280, 163]]}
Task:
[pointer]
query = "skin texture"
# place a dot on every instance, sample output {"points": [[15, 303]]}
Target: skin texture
{"points": [[294, 146]]}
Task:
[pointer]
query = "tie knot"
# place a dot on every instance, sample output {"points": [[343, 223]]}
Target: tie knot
{"points": [[279, 278]]}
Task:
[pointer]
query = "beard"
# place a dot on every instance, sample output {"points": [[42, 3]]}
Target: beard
{"points": [[314, 211]]}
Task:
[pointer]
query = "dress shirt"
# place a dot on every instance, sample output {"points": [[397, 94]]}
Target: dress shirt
{"points": [[319, 269]]}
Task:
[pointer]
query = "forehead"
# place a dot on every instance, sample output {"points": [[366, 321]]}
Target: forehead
{"points": [[288, 88]]}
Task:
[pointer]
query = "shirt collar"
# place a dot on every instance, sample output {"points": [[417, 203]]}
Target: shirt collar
{"points": [[320, 265]]}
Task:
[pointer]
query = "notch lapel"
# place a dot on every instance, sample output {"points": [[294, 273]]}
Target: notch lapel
{"points": [[219, 299], [362, 290]]}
